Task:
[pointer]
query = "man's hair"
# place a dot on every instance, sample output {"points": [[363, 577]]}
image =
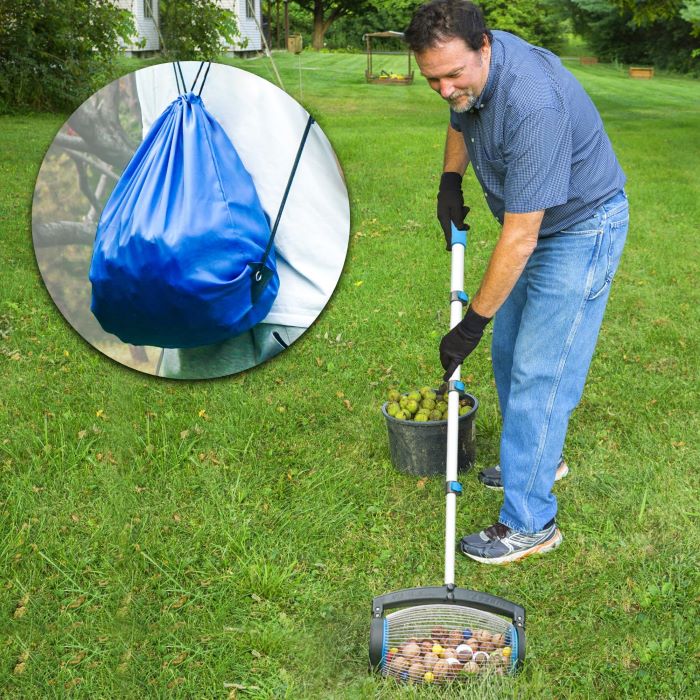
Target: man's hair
{"points": [[441, 20]]}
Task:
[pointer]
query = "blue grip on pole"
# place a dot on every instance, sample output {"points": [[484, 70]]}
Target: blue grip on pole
{"points": [[458, 236]]}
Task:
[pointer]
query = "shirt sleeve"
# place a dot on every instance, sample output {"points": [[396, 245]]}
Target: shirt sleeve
{"points": [[538, 156]]}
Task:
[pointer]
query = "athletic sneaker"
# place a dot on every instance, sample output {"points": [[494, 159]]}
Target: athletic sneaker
{"points": [[499, 544], [491, 477]]}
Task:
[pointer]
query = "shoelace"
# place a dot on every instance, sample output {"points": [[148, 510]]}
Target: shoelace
{"points": [[496, 531]]}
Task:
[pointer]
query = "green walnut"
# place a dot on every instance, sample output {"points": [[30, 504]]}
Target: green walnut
{"points": [[415, 395], [421, 418], [428, 403], [412, 406], [394, 396], [393, 408]]}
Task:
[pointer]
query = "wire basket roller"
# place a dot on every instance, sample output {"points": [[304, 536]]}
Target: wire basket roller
{"points": [[445, 634]]}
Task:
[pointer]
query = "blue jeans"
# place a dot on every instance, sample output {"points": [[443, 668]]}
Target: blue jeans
{"points": [[543, 340]]}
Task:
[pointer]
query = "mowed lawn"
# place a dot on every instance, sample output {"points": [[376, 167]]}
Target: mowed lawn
{"points": [[225, 538]]}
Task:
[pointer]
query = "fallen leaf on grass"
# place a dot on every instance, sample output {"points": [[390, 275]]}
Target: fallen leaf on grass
{"points": [[178, 659], [21, 608], [76, 603], [18, 670], [76, 659], [72, 683], [239, 686], [179, 602], [421, 483]]}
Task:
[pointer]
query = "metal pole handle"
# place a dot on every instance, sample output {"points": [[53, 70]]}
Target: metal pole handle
{"points": [[459, 244]]}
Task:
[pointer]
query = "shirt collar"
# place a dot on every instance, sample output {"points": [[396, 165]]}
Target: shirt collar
{"points": [[495, 64]]}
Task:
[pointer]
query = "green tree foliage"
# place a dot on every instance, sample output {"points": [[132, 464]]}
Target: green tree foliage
{"points": [[536, 21], [54, 53], [325, 12], [382, 15], [660, 34], [195, 29]]}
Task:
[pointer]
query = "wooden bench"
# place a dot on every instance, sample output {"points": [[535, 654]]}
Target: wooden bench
{"points": [[641, 72]]}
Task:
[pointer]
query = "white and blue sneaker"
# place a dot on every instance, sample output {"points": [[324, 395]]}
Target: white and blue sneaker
{"points": [[499, 544]]}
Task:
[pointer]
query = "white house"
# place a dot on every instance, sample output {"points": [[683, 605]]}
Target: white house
{"points": [[146, 19]]}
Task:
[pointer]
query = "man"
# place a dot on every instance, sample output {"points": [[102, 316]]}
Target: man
{"points": [[549, 175]]}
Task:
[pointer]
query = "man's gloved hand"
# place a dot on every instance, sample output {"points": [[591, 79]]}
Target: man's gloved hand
{"points": [[450, 205], [461, 340]]}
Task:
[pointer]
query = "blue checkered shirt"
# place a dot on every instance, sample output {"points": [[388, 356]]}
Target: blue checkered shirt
{"points": [[535, 139]]}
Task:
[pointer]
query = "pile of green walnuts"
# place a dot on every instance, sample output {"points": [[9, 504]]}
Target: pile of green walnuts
{"points": [[422, 405]]}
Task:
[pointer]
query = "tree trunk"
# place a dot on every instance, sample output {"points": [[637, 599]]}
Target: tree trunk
{"points": [[320, 25], [319, 30]]}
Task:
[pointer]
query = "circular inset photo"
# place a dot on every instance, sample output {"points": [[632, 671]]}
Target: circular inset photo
{"points": [[190, 220]]}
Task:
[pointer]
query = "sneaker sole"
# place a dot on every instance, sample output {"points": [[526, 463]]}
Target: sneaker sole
{"points": [[542, 548], [559, 475]]}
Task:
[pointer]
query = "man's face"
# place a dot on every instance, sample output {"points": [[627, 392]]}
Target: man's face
{"points": [[455, 71]]}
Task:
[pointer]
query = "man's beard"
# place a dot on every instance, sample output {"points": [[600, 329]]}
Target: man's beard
{"points": [[466, 106]]}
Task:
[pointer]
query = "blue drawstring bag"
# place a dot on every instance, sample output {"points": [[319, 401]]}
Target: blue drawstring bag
{"points": [[183, 254]]}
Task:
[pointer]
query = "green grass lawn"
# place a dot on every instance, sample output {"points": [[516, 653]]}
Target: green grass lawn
{"points": [[163, 539]]}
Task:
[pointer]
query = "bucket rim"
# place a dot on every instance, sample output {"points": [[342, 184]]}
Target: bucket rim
{"points": [[428, 423]]}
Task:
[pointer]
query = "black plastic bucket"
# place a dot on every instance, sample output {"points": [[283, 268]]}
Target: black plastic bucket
{"points": [[421, 448]]}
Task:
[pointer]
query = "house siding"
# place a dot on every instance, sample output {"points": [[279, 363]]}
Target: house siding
{"points": [[146, 27], [246, 25]]}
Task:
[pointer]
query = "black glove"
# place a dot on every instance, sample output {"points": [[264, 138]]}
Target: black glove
{"points": [[461, 340], [450, 205]]}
